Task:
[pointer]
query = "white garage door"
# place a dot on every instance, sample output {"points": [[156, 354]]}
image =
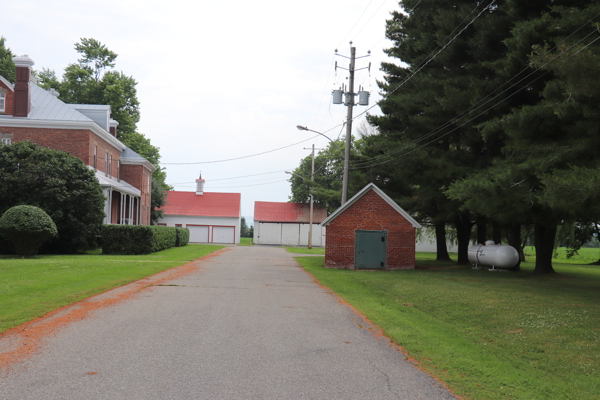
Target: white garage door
{"points": [[198, 234], [269, 233], [223, 234], [290, 234]]}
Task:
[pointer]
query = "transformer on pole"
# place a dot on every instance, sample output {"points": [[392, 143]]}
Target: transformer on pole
{"points": [[348, 101]]}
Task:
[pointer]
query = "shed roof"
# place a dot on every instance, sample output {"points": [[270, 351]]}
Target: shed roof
{"points": [[206, 205], [365, 190], [268, 211]]}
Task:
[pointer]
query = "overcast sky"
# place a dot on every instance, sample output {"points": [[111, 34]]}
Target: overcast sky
{"points": [[221, 79]]}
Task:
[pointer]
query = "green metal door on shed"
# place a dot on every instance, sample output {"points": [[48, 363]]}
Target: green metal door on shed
{"points": [[371, 249]]}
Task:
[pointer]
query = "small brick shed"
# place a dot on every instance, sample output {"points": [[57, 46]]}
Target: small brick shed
{"points": [[370, 231]]}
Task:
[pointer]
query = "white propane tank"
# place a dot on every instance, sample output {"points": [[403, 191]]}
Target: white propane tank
{"points": [[493, 255], [337, 96]]}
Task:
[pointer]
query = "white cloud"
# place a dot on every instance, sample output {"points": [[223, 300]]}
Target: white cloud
{"points": [[217, 79]]}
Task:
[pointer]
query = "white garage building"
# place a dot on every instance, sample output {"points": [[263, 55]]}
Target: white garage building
{"points": [[210, 217], [286, 224]]}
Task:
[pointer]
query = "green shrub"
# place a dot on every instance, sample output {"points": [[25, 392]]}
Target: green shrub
{"points": [[27, 227], [183, 237], [137, 239], [58, 183], [163, 237]]}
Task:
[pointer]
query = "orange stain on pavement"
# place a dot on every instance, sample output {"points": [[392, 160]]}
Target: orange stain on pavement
{"points": [[24, 340]]}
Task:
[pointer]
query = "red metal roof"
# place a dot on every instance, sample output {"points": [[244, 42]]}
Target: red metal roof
{"points": [[206, 205], [266, 211]]}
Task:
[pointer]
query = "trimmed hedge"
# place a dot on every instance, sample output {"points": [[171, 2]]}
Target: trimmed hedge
{"points": [[27, 227], [137, 239], [183, 237]]}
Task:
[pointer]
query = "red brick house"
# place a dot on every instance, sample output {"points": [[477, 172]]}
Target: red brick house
{"points": [[370, 231], [28, 112]]}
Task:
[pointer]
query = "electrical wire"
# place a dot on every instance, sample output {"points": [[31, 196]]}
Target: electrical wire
{"points": [[242, 157], [474, 108], [363, 13], [239, 186], [424, 64], [460, 126]]}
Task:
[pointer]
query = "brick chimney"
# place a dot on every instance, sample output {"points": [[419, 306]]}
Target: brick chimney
{"points": [[113, 127], [200, 186], [22, 99]]}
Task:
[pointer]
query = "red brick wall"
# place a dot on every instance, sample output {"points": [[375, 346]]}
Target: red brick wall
{"points": [[78, 142], [8, 99], [370, 212], [137, 176]]}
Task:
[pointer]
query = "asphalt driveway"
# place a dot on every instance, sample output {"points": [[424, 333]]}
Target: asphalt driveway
{"points": [[248, 324]]}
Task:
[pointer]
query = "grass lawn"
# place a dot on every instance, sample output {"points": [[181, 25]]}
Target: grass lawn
{"points": [[30, 288], [305, 250], [487, 335], [245, 242]]}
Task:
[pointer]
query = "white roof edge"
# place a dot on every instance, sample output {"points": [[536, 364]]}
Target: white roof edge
{"points": [[7, 83], [25, 123], [119, 185], [360, 194], [138, 161]]}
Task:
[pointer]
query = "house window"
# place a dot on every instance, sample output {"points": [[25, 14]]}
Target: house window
{"points": [[5, 138], [118, 170], [106, 164], [2, 102], [178, 225], [110, 165], [94, 157]]}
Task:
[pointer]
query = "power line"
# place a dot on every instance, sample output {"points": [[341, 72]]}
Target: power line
{"points": [[363, 13], [460, 126], [428, 61], [239, 186], [471, 109], [234, 177], [242, 157]]}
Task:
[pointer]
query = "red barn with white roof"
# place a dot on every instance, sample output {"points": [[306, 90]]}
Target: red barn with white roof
{"points": [[210, 217]]}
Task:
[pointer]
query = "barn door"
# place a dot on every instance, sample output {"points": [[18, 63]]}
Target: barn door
{"points": [[371, 249]]}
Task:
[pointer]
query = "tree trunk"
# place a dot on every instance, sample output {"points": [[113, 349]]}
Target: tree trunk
{"points": [[514, 240], [545, 234], [496, 232], [440, 242], [463, 233], [481, 229]]}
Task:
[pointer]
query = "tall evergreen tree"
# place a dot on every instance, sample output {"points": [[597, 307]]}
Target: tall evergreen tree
{"points": [[549, 140], [444, 50]]}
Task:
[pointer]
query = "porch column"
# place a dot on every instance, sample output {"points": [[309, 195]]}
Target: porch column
{"points": [[131, 209], [109, 215], [122, 208]]}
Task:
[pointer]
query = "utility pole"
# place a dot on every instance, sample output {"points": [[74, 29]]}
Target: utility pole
{"points": [[312, 181], [363, 101], [348, 124]]}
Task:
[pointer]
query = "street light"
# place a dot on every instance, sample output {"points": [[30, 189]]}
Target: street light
{"points": [[310, 221], [303, 128], [346, 158]]}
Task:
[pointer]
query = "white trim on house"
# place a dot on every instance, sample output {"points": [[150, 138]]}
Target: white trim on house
{"points": [[7, 83], [384, 196], [90, 125], [138, 161]]}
